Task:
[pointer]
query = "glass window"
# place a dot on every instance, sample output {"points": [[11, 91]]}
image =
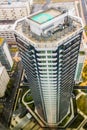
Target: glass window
{"points": [[51, 66], [42, 56], [43, 65], [50, 56], [49, 51], [41, 52], [49, 61], [43, 61]]}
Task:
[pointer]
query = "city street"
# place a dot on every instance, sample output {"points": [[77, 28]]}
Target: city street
{"points": [[9, 104]]}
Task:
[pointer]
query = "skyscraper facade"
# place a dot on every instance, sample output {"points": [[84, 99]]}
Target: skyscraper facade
{"points": [[5, 56], [49, 43]]}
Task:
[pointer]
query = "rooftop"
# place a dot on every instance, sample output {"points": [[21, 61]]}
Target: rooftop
{"points": [[5, 26], [1, 41], [50, 31]]}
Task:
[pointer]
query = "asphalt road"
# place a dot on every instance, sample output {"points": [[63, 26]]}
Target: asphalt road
{"points": [[9, 104]]}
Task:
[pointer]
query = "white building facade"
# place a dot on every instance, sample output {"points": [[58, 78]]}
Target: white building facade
{"points": [[14, 10], [6, 32], [4, 79], [11, 10]]}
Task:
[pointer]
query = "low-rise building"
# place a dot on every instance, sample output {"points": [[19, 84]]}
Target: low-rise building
{"points": [[10, 1], [6, 31], [10, 11], [14, 10], [4, 79]]}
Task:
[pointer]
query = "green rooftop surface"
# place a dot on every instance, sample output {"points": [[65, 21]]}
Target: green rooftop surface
{"points": [[42, 17]]}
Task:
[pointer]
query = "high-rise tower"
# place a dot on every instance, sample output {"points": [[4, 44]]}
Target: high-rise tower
{"points": [[49, 43]]}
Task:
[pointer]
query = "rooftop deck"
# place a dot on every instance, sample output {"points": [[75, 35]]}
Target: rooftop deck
{"points": [[51, 41], [6, 27], [58, 27], [45, 16]]}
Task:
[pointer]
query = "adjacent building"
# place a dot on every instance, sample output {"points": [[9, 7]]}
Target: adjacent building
{"points": [[6, 31], [4, 79], [83, 4], [5, 56], [10, 1], [0, 64], [14, 10], [11, 10], [49, 43]]}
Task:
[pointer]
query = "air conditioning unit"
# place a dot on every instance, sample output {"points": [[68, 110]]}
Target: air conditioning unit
{"points": [[50, 31]]}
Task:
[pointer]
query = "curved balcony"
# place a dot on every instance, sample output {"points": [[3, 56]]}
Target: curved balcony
{"points": [[47, 59], [52, 63], [52, 82], [46, 54], [51, 78]]}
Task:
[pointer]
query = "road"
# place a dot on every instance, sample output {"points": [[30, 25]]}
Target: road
{"points": [[82, 5], [10, 101], [19, 91], [82, 124], [15, 90]]}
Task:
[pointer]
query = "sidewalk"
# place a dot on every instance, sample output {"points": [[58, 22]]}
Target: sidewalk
{"points": [[82, 113], [82, 124]]}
